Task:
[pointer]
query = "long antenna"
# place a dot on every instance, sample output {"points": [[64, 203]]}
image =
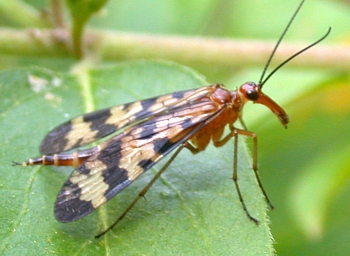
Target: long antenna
{"points": [[277, 44], [293, 56]]}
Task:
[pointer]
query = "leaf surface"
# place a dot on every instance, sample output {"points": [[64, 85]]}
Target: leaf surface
{"points": [[192, 209]]}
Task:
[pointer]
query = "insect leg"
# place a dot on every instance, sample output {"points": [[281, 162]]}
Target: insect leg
{"points": [[254, 167], [235, 175], [234, 133], [242, 122], [143, 191]]}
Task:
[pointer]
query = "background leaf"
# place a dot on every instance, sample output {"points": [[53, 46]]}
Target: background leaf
{"points": [[195, 198]]}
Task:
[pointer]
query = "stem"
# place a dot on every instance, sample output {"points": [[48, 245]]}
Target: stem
{"points": [[186, 50], [21, 14], [77, 38], [57, 13]]}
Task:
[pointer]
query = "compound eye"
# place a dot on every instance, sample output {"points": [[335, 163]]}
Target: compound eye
{"points": [[252, 95]]}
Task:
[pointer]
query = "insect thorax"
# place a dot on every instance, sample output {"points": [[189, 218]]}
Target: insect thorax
{"points": [[231, 103]]}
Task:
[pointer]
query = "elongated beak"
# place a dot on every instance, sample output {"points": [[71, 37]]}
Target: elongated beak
{"points": [[275, 108]]}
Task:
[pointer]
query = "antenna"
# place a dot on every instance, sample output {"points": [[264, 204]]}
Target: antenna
{"points": [[292, 57], [262, 81], [278, 43]]}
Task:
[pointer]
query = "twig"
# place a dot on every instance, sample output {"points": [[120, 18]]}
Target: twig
{"points": [[185, 50]]}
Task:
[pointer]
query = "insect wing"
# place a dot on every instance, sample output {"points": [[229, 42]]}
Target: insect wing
{"points": [[87, 128], [125, 157]]}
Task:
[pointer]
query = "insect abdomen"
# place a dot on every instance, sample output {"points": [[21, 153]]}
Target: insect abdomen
{"points": [[65, 159]]}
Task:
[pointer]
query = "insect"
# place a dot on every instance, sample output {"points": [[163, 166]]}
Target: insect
{"points": [[147, 131]]}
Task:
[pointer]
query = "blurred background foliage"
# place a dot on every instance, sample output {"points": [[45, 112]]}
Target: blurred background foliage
{"points": [[305, 169]]}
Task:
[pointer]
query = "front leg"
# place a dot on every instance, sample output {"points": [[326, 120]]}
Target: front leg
{"points": [[234, 132]]}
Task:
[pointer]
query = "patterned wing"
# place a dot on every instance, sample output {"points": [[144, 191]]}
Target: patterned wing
{"points": [[87, 128], [125, 157]]}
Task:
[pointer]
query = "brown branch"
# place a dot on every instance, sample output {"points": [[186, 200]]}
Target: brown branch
{"points": [[185, 50]]}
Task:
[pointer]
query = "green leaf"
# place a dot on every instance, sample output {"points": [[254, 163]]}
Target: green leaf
{"points": [[193, 209], [315, 188]]}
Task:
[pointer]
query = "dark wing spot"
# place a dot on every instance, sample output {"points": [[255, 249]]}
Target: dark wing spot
{"points": [[68, 206], [179, 95], [55, 141]]}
